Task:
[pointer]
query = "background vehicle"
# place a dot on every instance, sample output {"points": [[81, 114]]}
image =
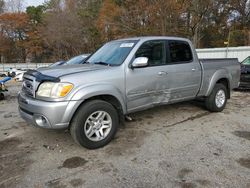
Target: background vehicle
{"points": [[75, 60], [3, 75], [122, 77], [13, 72], [3, 88], [57, 63], [19, 76], [245, 74]]}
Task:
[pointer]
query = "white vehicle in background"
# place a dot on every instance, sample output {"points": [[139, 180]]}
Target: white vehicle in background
{"points": [[73, 61], [19, 76], [13, 72]]}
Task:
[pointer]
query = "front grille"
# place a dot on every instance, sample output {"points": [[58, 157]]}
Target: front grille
{"points": [[28, 86]]}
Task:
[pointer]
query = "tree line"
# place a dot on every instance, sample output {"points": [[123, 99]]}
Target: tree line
{"points": [[60, 29]]}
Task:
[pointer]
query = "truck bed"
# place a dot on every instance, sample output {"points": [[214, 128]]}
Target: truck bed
{"points": [[214, 68]]}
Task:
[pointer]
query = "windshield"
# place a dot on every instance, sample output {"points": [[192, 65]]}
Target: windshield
{"points": [[112, 53], [246, 61], [76, 60]]}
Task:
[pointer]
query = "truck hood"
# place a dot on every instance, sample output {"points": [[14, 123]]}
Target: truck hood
{"points": [[53, 74], [59, 71]]}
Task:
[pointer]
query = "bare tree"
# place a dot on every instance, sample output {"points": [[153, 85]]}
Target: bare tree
{"points": [[63, 34], [14, 5], [1, 6]]}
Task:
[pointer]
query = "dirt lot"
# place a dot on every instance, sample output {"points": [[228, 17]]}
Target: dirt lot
{"points": [[179, 145]]}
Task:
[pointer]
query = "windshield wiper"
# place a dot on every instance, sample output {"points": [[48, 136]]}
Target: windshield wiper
{"points": [[102, 63]]}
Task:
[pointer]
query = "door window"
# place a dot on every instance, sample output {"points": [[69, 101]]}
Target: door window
{"points": [[180, 52], [154, 51]]}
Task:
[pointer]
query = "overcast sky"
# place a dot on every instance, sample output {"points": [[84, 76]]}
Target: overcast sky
{"points": [[21, 5], [33, 2]]}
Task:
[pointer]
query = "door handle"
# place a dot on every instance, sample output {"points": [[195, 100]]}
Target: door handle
{"points": [[162, 73], [193, 69]]}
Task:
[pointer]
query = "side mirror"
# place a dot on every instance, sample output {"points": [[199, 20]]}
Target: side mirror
{"points": [[140, 62]]}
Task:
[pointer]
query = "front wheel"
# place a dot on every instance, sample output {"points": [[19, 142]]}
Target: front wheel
{"points": [[217, 100], [94, 124]]}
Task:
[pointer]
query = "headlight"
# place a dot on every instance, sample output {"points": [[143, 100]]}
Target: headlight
{"points": [[54, 90]]}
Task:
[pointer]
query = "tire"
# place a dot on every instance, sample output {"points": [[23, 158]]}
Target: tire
{"points": [[1, 96], [83, 121], [220, 94], [13, 74]]}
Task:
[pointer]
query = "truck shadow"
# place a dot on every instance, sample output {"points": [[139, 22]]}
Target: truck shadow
{"points": [[132, 136]]}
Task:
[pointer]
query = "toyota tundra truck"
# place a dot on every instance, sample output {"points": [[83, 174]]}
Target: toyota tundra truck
{"points": [[122, 77]]}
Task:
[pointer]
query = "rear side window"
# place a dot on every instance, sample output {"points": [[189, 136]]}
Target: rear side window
{"points": [[180, 52]]}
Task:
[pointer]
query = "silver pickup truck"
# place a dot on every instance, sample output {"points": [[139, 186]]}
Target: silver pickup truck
{"points": [[121, 77]]}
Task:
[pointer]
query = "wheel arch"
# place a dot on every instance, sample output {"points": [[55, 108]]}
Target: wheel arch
{"points": [[114, 101], [221, 76]]}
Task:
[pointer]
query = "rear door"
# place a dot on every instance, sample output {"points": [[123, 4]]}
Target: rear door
{"points": [[183, 70]]}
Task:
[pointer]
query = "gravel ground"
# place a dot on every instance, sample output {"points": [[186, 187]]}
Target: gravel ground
{"points": [[180, 145]]}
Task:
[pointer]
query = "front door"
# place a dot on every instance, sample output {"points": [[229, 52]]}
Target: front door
{"points": [[147, 86]]}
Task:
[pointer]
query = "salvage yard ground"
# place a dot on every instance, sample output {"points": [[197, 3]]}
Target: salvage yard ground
{"points": [[180, 145]]}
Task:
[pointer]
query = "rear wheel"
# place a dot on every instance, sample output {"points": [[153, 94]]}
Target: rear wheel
{"points": [[217, 100], [94, 124]]}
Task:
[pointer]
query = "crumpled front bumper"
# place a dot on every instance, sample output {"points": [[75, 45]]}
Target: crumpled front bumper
{"points": [[44, 114]]}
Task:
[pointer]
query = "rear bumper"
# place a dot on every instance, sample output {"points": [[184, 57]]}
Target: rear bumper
{"points": [[49, 115]]}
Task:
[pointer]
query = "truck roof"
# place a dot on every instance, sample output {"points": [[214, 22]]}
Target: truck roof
{"points": [[154, 38]]}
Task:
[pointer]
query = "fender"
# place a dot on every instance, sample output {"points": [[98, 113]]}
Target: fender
{"points": [[85, 92], [219, 74]]}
